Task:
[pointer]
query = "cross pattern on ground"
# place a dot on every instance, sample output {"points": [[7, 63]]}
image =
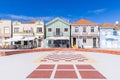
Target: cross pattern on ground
{"points": [[61, 65], [66, 71]]}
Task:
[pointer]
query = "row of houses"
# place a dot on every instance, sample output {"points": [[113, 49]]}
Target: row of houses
{"points": [[59, 33]]}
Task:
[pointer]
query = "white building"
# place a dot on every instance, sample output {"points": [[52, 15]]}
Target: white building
{"points": [[28, 33], [5, 31]]}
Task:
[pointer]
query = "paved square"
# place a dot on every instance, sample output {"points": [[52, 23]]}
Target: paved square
{"points": [[105, 68]]}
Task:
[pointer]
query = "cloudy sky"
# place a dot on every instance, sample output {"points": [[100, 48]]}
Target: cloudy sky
{"points": [[100, 11]]}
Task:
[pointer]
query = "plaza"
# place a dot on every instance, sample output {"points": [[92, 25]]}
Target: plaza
{"points": [[60, 65]]}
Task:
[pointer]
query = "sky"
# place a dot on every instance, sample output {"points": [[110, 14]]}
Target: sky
{"points": [[100, 11]]}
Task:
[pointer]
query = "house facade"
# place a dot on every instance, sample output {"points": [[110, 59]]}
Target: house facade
{"points": [[57, 33], [28, 33], [85, 34], [110, 36], [5, 31]]}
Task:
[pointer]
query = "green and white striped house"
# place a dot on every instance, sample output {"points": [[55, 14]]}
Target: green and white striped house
{"points": [[57, 33]]}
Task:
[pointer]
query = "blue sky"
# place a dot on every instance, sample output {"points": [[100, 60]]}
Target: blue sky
{"points": [[94, 10]]}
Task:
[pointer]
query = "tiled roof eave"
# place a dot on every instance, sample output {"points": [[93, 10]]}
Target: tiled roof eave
{"points": [[84, 24]]}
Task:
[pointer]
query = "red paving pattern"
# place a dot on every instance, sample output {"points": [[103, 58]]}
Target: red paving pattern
{"points": [[46, 67], [65, 67], [40, 74], [65, 74], [91, 75], [66, 71], [64, 57], [84, 67]]}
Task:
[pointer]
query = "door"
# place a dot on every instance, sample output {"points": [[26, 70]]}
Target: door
{"points": [[57, 31], [109, 44], [94, 42], [74, 41]]}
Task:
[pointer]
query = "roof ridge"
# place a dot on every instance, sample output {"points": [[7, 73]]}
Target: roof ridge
{"points": [[84, 22]]}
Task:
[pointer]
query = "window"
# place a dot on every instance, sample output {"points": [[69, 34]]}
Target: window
{"points": [[115, 33], [27, 31], [49, 42], [76, 29], [109, 33], [65, 29], [39, 29], [84, 39], [6, 30], [49, 29], [16, 30], [92, 29], [84, 29]]}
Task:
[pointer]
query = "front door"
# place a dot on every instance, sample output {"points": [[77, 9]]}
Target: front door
{"points": [[94, 42], [57, 31], [74, 41]]}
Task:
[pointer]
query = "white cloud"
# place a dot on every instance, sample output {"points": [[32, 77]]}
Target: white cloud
{"points": [[22, 17], [97, 11], [27, 18]]}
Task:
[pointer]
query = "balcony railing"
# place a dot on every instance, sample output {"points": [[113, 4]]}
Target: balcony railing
{"points": [[58, 33], [86, 34], [23, 33]]}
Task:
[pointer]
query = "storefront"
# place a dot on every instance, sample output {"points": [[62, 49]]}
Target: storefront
{"points": [[58, 42]]}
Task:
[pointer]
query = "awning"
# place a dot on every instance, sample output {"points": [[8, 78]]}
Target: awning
{"points": [[58, 38], [28, 38], [14, 39], [18, 38]]}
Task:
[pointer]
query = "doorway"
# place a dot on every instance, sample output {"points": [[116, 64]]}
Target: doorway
{"points": [[74, 41], [57, 31], [94, 42]]}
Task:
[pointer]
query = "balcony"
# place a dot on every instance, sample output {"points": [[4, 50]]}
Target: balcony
{"points": [[86, 34], [24, 33], [58, 34], [90, 33]]}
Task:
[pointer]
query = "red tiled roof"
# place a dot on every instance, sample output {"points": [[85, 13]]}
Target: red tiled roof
{"points": [[84, 22], [107, 25]]}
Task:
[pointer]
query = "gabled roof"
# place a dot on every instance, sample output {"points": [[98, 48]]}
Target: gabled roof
{"points": [[84, 22], [107, 25], [57, 19]]}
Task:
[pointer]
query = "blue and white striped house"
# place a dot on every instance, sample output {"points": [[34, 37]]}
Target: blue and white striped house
{"points": [[109, 36]]}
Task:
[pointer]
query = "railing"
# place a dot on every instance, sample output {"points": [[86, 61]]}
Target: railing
{"points": [[86, 34], [24, 33], [58, 33], [90, 33]]}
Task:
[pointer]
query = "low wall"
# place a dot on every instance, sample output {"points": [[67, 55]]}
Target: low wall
{"points": [[5, 53]]}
